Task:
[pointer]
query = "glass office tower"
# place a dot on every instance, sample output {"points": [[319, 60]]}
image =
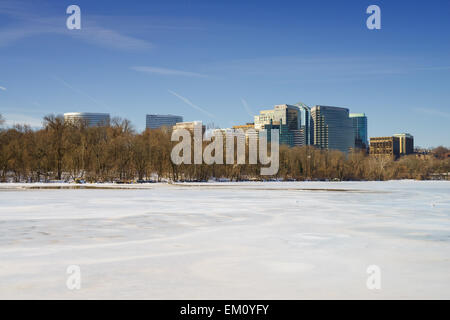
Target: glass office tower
{"points": [[333, 128], [286, 117], [155, 121], [360, 130], [87, 118], [305, 124]]}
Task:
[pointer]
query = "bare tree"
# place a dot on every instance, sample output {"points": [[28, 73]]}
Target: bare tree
{"points": [[56, 127], [116, 152]]}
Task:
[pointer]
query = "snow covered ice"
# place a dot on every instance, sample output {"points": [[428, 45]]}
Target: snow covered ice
{"points": [[272, 240]]}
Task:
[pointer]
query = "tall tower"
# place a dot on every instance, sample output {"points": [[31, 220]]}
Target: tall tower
{"points": [[284, 117], [333, 128], [305, 124], [359, 121]]}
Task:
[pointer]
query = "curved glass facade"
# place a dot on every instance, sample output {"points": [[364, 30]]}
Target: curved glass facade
{"points": [[359, 121], [333, 129], [91, 119]]}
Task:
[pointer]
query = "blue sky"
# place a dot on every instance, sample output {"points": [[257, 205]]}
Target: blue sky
{"points": [[223, 61]]}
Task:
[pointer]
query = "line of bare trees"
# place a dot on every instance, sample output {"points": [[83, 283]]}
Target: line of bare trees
{"points": [[65, 151]]}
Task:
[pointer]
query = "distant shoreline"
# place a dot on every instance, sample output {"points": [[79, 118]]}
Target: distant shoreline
{"points": [[15, 186]]}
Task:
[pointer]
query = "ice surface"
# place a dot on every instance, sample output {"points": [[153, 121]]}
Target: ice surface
{"points": [[272, 240]]}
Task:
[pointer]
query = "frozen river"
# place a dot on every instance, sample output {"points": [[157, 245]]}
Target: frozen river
{"points": [[227, 240]]}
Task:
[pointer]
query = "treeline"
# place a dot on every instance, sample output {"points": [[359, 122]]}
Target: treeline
{"points": [[64, 151]]}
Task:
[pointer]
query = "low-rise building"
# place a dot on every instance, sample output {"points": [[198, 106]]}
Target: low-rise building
{"points": [[192, 126], [155, 121], [406, 143], [385, 146], [245, 127]]}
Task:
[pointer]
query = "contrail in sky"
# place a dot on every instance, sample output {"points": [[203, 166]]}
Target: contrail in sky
{"points": [[188, 102], [78, 91]]}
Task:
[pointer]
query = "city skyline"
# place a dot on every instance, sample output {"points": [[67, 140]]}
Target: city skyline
{"points": [[297, 135], [222, 63]]}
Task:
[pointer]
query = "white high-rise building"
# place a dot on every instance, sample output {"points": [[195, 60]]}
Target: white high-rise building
{"points": [[284, 114], [88, 118]]}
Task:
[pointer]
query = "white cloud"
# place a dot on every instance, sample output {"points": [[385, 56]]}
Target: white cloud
{"points": [[324, 67], [110, 38], [92, 34], [168, 72], [3, 88], [28, 24], [432, 112]]}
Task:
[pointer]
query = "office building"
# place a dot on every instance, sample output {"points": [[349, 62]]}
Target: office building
{"points": [[305, 135], [155, 121], [284, 113], [406, 142], [231, 133], [285, 135], [359, 121], [193, 127], [87, 118], [385, 146], [249, 131], [245, 127], [284, 117], [333, 128], [298, 138]]}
